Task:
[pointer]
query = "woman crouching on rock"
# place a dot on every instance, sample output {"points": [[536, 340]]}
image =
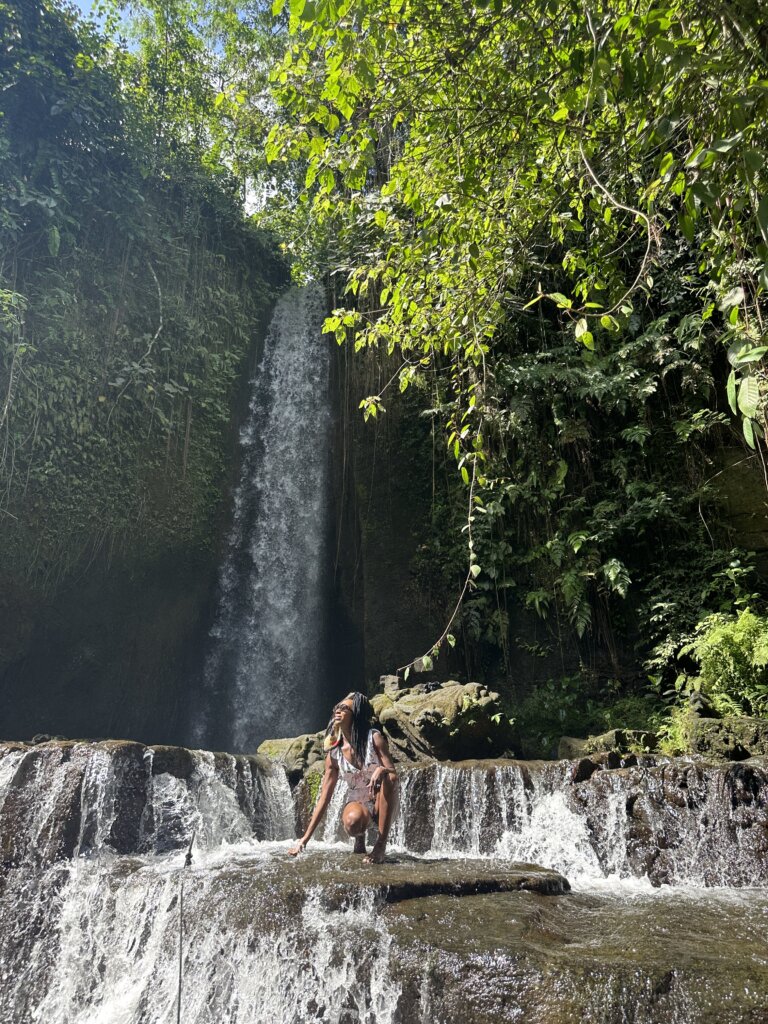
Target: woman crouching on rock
{"points": [[359, 753]]}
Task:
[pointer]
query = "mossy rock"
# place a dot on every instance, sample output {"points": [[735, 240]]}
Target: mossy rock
{"points": [[451, 721], [619, 741], [296, 754], [727, 739]]}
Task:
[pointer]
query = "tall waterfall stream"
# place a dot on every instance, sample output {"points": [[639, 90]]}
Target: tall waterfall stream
{"points": [[268, 625], [94, 835]]}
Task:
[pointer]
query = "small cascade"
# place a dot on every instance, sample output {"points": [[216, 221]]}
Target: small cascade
{"points": [[263, 675], [64, 800], [671, 823], [111, 952], [95, 900]]}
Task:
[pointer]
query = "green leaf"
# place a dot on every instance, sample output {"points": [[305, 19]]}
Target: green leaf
{"points": [[730, 389], [464, 474], [749, 434], [726, 145], [749, 397], [666, 162], [754, 159], [754, 355], [380, 218], [475, 570], [54, 240], [686, 226]]}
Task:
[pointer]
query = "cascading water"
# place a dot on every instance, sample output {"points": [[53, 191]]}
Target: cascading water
{"points": [[93, 836], [264, 670]]}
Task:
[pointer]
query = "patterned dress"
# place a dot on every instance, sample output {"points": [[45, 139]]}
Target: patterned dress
{"points": [[358, 779]]}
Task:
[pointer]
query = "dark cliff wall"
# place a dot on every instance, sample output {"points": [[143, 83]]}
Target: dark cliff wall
{"points": [[384, 611], [113, 649]]}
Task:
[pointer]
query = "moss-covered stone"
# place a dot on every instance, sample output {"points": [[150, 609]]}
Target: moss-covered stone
{"points": [[296, 754], [728, 739], [451, 721], [620, 741]]}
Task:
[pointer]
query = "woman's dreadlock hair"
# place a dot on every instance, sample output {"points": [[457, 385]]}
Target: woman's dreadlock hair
{"points": [[362, 721]]}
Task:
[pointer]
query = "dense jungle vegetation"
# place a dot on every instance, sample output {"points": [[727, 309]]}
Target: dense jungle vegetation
{"points": [[555, 218], [550, 219], [130, 290]]}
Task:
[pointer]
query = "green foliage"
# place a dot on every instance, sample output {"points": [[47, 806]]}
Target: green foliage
{"points": [[674, 732], [580, 706], [130, 290], [552, 219], [732, 653]]}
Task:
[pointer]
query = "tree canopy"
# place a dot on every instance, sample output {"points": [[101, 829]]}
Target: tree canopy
{"points": [[555, 217]]}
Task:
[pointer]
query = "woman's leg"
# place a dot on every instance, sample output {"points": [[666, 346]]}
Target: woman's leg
{"points": [[356, 820], [386, 807]]}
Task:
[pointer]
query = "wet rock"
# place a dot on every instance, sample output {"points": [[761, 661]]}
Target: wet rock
{"points": [[583, 769], [61, 800], [501, 958], [40, 818], [451, 722], [343, 878], [297, 754], [620, 741]]}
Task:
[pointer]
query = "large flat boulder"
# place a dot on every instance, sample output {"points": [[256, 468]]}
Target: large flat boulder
{"points": [[402, 877]]}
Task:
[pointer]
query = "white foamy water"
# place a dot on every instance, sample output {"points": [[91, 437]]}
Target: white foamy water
{"points": [[265, 664], [90, 935], [673, 824], [114, 956]]}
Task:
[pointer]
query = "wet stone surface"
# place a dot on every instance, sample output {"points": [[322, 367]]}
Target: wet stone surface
{"points": [[685, 957], [402, 877]]}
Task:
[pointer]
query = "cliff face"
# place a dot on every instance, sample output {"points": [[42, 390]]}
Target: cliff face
{"points": [[112, 650], [384, 610], [400, 559]]}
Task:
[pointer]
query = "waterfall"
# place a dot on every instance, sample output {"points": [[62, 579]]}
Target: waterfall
{"points": [[676, 822], [69, 800], [263, 675], [94, 894]]}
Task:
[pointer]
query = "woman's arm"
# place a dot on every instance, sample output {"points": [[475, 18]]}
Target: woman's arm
{"points": [[330, 778], [386, 767]]}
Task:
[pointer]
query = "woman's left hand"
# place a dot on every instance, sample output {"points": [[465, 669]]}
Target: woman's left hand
{"points": [[375, 784]]}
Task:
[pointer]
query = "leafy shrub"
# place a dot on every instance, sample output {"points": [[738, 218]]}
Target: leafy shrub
{"points": [[732, 652]]}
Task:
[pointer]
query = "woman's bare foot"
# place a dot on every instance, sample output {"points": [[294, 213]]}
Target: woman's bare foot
{"points": [[359, 844], [376, 856]]}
